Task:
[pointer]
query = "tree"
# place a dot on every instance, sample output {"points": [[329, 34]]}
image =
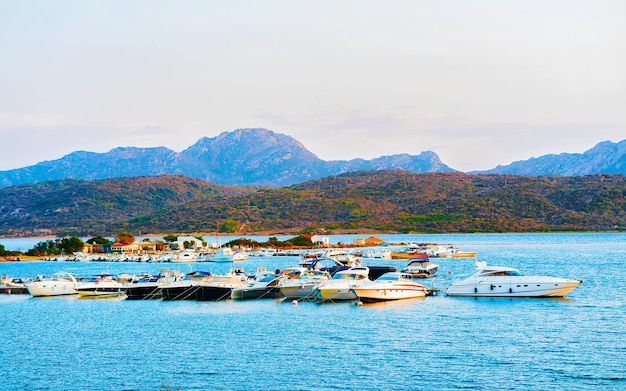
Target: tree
{"points": [[170, 238], [99, 240], [125, 238], [72, 244], [230, 226], [301, 241], [2, 250]]}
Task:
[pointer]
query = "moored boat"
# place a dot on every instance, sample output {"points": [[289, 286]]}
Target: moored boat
{"points": [[227, 254], [101, 285], [219, 288], [263, 286], [187, 288], [302, 286], [341, 286], [500, 281], [390, 286], [421, 268], [147, 287], [11, 285], [184, 257], [58, 284]]}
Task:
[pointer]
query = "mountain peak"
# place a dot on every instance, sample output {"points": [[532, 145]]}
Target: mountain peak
{"points": [[248, 156]]}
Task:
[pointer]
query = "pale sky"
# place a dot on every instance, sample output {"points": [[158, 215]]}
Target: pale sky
{"points": [[480, 83]]}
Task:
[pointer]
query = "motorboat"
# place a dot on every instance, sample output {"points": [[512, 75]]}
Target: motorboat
{"points": [[146, 286], [184, 257], [339, 255], [263, 286], [187, 288], [421, 268], [12, 285], [219, 288], [341, 286], [390, 286], [58, 284], [302, 286], [500, 281], [330, 265], [445, 251], [101, 285], [227, 254]]}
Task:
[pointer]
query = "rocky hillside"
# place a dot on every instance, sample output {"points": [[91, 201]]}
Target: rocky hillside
{"points": [[385, 201]]}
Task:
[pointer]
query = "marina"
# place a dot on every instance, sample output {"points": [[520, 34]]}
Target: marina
{"points": [[550, 343]]}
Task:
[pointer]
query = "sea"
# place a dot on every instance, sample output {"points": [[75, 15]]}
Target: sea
{"points": [[434, 343]]}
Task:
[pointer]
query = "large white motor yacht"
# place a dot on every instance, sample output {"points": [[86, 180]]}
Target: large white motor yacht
{"points": [[500, 281]]}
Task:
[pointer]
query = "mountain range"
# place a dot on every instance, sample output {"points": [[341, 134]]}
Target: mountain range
{"points": [[261, 157]]}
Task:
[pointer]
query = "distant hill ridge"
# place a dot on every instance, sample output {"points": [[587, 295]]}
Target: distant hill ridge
{"points": [[241, 157], [605, 158], [261, 157]]}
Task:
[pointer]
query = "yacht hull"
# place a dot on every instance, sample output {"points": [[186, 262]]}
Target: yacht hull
{"points": [[100, 292], [213, 293], [372, 294], [256, 293], [51, 289], [555, 288], [144, 291], [180, 292]]}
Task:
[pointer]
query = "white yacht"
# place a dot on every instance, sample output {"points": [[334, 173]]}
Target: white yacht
{"points": [[500, 281], [421, 268], [342, 284], [227, 254], [101, 285], [58, 284], [390, 286], [184, 257], [302, 286]]}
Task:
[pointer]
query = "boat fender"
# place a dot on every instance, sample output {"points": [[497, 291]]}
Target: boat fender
{"points": [[510, 290], [475, 290]]}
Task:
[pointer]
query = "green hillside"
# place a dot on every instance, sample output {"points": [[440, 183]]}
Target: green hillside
{"points": [[391, 201]]}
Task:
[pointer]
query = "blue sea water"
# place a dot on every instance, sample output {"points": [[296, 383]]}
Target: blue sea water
{"points": [[435, 343]]}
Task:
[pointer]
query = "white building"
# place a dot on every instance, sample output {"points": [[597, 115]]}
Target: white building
{"points": [[182, 239], [320, 240]]}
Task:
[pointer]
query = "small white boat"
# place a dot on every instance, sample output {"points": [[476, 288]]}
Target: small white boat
{"points": [[342, 285], [184, 257], [227, 254], [58, 284], [500, 281], [302, 286], [101, 285], [421, 268], [390, 286], [340, 256], [10, 285]]}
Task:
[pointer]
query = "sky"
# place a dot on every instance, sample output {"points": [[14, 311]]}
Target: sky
{"points": [[481, 83]]}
